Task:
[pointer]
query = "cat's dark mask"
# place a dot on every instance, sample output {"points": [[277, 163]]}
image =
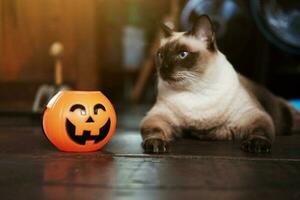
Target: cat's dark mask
{"points": [[176, 55]]}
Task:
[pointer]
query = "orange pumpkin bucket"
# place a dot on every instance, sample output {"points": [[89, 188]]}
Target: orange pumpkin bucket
{"points": [[79, 121]]}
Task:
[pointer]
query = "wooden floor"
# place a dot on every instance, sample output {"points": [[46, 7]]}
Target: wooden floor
{"points": [[31, 168]]}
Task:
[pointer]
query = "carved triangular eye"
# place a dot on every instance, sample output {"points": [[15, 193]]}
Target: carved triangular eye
{"points": [[98, 107]]}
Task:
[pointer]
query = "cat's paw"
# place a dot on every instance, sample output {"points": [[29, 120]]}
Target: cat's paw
{"points": [[155, 146], [257, 144]]}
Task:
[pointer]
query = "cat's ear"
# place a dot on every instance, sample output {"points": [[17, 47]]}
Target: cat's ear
{"points": [[203, 30], [167, 31]]}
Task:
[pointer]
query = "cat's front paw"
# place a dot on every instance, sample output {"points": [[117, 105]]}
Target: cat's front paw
{"points": [[257, 144], [155, 146]]}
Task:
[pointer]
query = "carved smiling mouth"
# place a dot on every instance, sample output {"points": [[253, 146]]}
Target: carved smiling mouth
{"points": [[86, 134]]}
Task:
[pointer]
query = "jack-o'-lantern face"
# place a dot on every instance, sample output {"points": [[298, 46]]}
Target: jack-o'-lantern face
{"points": [[79, 121], [84, 125]]}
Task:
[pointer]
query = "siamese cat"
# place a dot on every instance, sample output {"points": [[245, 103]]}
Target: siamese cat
{"points": [[199, 92]]}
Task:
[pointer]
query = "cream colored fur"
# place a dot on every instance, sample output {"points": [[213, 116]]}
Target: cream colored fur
{"points": [[213, 100]]}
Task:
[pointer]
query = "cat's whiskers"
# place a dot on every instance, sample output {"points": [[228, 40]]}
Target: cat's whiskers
{"points": [[187, 76]]}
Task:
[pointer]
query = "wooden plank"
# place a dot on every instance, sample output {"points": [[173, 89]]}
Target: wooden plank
{"points": [[128, 144], [92, 177], [206, 170], [88, 74], [30, 26], [24, 48]]}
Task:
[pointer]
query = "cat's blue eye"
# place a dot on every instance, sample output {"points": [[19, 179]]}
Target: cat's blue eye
{"points": [[183, 54]]}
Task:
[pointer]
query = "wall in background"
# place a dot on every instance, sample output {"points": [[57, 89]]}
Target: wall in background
{"points": [[91, 32], [29, 27]]}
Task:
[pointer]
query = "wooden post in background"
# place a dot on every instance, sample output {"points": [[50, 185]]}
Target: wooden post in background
{"points": [[148, 66]]}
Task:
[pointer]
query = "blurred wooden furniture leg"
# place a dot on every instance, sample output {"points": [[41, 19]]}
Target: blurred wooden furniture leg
{"points": [[148, 66], [46, 92]]}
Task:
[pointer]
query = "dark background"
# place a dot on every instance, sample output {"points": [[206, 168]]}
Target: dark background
{"points": [[91, 32]]}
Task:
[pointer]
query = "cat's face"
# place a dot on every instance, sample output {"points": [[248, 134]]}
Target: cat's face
{"points": [[184, 56]]}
